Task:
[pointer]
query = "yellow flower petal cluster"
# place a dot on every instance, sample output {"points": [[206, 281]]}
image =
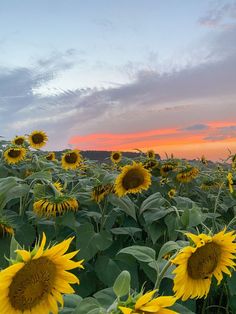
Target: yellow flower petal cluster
{"points": [[116, 157], [132, 179], [171, 193], [18, 140], [34, 284], [146, 304], [151, 154], [55, 207], [71, 159], [230, 182], [51, 156], [211, 256], [37, 139], [14, 155], [99, 192], [188, 175], [166, 169]]}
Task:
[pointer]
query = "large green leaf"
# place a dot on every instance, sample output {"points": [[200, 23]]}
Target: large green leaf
{"points": [[90, 242], [141, 253], [124, 203], [154, 201]]}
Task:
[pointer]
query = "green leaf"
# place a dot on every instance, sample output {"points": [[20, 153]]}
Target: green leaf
{"points": [[89, 242], [125, 230], [89, 306], [155, 231], [40, 175], [141, 253], [154, 201], [121, 286], [25, 234], [156, 214], [181, 309], [124, 203], [105, 297], [166, 248], [191, 217], [14, 245], [112, 270]]}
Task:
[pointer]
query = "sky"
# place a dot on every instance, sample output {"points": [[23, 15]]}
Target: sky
{"points": [[121, 75]]}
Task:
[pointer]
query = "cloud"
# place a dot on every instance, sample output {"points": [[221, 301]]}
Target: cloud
{"points": [[196, 127], [220, 16], [183, 100]]}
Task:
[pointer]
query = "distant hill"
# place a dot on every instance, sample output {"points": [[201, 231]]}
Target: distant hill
{"points": [[103, 155]]}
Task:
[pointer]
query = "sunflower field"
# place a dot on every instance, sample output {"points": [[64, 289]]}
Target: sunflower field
{"points": [[126, 236]]}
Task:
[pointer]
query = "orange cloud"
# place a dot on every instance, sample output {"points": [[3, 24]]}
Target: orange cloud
{"points": [[181, 142]]}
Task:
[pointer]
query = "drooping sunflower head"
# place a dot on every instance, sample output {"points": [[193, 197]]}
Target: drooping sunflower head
{"points": [[132, 179], [151, 164], [51, 156], [147, 304], [203, 160], [38, 139], [19, 140], [151, 154], [171, 193], [14, 154], [6, 228], [53, 207], [99, 192], [71, 159], [210, 256], [187, 175], [116, 157], [166, 169], [35, 282]]}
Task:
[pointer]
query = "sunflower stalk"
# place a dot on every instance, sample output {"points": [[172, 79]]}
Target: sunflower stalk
{"points": [[162, 273]]}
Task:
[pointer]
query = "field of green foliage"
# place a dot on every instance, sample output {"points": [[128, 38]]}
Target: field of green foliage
{"points": [[127, 236]]}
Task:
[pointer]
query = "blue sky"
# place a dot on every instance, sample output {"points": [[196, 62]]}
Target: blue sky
{"points": [[76, 68]]}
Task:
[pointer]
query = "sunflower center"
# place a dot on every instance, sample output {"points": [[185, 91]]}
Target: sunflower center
{"points": [[14, 153], [37, 138], [49, 157], [133, 179], [116, 156], [32, 284], [19, 141], [71, 158], [204, 261]]}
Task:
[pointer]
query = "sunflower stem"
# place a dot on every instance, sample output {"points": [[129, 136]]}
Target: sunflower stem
{"points": [[162, 273]]}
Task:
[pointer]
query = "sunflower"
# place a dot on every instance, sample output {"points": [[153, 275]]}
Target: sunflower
{"points": [[99, 192], [55, 207], [51, 156], [18, 140], [203, 160], [5, 229], [133, 179], [36, 280], [171, 193], [58, 186], [71, 159], [230, 182], [209, 184], [116, 157], [38, 139], [150, 164], [187, 175], [151, 154], [166, 168], [146, 304], [211, 256], [13, 155]]}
